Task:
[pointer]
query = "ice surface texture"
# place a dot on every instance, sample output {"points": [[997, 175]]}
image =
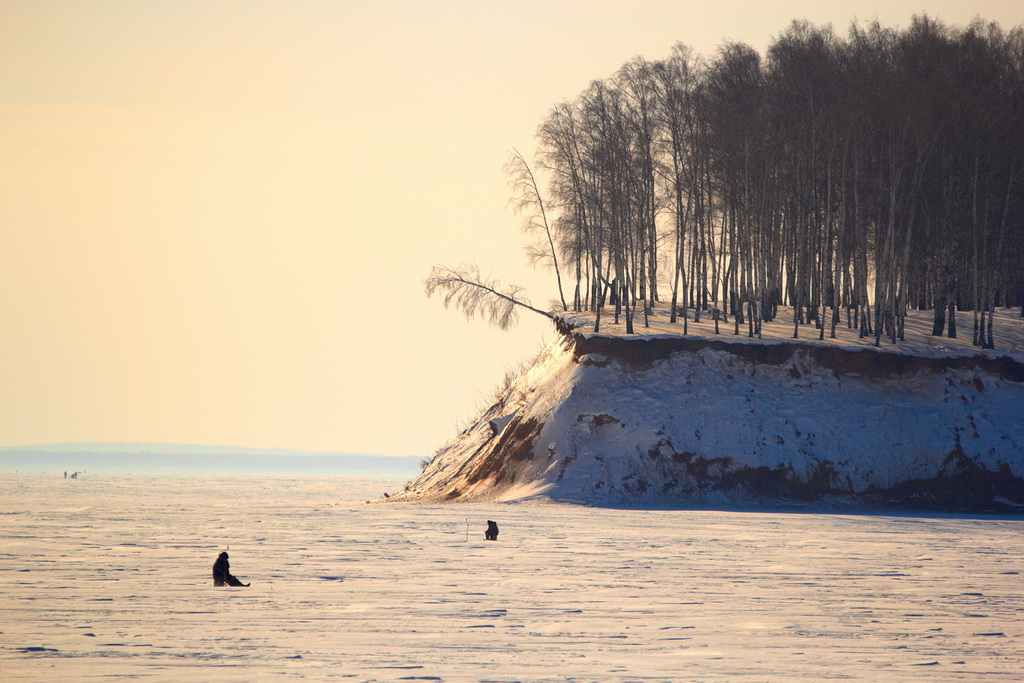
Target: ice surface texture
{"points": [[109, 577]]}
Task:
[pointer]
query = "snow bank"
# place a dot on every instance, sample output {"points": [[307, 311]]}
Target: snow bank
{"points": [[671, 420]]}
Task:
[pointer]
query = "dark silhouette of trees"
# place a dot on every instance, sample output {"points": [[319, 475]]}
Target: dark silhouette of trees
{"points": [[874, 173]]}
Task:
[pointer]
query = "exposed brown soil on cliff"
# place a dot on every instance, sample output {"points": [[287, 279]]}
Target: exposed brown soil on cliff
{"points": [[496, 465], [868, 363]]}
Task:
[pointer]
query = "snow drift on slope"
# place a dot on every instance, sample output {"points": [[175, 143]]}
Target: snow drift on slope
{"points": [[685, 421]]}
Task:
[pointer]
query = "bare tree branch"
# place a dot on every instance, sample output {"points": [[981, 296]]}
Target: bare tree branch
{"points": [[464, 288]]}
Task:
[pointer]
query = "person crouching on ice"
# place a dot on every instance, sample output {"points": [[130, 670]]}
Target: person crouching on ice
{"points": [[222, 573]]}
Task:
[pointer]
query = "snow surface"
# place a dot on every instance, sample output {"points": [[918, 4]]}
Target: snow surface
{"points": [[1007, 328], [607, 431], [109, 577]]}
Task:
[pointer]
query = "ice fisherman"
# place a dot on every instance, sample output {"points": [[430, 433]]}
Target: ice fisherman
{"points": [[222, 573], [492, 531]]}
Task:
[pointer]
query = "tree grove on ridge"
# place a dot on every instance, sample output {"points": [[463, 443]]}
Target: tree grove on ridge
{"points": [[864, 176]]}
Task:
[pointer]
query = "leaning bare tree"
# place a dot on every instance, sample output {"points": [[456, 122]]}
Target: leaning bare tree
{"points": [[474, 295], [528, 200]]}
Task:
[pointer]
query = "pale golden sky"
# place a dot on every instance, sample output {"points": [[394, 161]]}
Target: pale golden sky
{"points": [[215, 217]]}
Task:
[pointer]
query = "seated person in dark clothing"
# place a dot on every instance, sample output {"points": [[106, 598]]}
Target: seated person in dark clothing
{"points": [[222, 573], [492, 531]]}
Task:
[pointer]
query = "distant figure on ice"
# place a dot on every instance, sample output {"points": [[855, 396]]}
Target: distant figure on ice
{"points": [[222, 573], [492, 531]]}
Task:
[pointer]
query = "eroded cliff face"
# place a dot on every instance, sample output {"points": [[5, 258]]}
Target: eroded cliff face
{"points": [[682, 421]]}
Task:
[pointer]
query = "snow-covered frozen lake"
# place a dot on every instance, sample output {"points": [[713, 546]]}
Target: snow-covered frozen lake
{"points": [[108, 576]]}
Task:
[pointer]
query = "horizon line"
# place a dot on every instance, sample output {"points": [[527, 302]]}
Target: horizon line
{"points": [[176, 447]]}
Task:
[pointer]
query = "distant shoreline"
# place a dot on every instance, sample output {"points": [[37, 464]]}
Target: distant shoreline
{"points": [[166, 459]]}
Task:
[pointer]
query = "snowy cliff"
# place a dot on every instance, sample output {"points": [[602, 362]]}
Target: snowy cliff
{"points": [[670, 420]]}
